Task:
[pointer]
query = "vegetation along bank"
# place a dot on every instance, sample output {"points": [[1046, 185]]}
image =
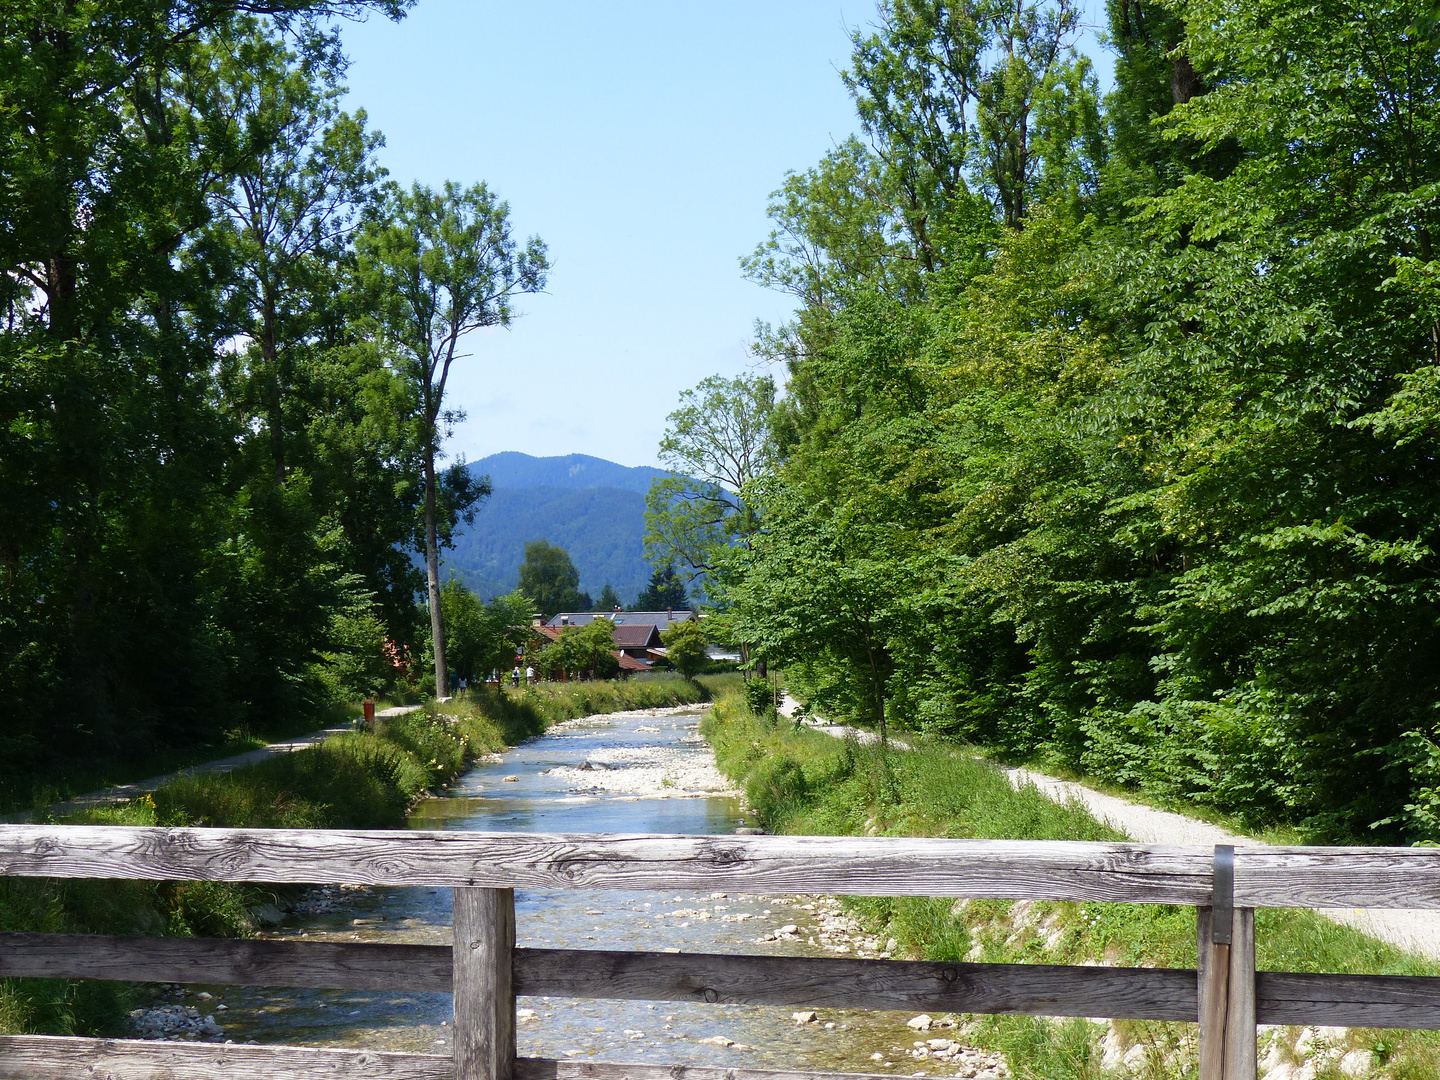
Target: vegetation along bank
{"points": [[360, 780], [798, 780]]}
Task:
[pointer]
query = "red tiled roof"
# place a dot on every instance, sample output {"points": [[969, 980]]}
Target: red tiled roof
{"points": [[629, 663]]}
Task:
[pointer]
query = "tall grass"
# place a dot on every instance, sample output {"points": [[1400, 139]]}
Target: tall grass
{"points": [[358, 780], [802, 781]]}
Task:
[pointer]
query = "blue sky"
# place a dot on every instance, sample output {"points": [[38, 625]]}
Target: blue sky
{"points": [[641, 141]]}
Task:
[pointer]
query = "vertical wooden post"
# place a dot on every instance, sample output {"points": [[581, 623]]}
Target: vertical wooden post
{"points": [[1226, 970], [1214, 976], [1240, 1048], [484, 1018]]}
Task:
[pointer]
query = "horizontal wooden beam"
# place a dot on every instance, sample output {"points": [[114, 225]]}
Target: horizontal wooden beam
{"points": [[808, 982], [1373, 1001], [840, 983], [862, 866], [868, 866], [1332, 877], [56, 1057], [548, 1069], [814, 982], [227, 961]]}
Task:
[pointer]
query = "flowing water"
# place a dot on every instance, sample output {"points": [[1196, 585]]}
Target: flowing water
{"points": [[624, 773]]}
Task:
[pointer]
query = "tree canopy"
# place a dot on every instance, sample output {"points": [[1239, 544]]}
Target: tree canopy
{"points": [[665, 592], [214, 446], [1109, 428], [550, 580]]}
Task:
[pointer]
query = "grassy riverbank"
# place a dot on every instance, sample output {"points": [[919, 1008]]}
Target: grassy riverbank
{"points": [[359, 780], [806, 782]]}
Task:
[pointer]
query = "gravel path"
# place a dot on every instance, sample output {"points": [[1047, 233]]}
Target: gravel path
{"points": [[1415, 931], [123, 793]]}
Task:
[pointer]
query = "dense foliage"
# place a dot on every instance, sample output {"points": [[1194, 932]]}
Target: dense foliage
{"points": [[218, 417], [549, 578], [1110, 429]]}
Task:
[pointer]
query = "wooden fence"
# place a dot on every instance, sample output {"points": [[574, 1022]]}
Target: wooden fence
{"points": [[485, 971]]}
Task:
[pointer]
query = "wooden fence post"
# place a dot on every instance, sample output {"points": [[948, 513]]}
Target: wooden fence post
{"points": [[484, 1017], [1213, 971], [1240, 1048], [1226, 972]]}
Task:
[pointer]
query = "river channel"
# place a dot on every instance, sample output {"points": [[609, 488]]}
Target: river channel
{"points": [[644, 772]]}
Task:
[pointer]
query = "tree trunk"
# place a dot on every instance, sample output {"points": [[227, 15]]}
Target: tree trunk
{"points": [[269, 352], [432, 576]]}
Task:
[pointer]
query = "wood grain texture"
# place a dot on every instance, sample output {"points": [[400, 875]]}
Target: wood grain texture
{"points": [[54, 1057], [484, 1016], [813, 982], [547, 1069], [1212, 979], [1337, 877], [835, 983], [869, 866], [1241, 1058], [227, 961], [1376, 1001]]}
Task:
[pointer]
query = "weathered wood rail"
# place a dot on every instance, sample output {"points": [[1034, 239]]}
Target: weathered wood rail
{"points": [[485, 971]]}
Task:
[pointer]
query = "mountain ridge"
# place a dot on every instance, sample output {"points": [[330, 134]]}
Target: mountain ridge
{"points": [[513, 469], [593, 508]]}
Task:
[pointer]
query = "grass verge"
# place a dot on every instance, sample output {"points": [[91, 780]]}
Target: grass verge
{"points": [[359, 780], [801, 781]]}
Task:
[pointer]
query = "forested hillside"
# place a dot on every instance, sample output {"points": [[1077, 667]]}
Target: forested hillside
{"points": [[222, 372], [602, 528], [1111, 424], [593, 508]]}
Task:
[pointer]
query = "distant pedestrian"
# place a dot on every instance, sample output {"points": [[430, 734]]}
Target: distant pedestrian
{"points": [[529, 675], [515, 676]]}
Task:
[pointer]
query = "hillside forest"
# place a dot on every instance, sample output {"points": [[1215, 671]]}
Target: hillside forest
{"points": [[1108, 424]]}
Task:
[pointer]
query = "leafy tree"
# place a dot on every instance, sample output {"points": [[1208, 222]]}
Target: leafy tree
{"points": [[954, 95], [305, 169], [585, 652], [550, 580], [439, 265], [715, 444], [665, 592], [1148, 490], [137, 565], [483, 637], [685, 647]]}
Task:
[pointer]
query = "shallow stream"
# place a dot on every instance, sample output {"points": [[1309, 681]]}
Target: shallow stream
{"points": [[626, 773]]}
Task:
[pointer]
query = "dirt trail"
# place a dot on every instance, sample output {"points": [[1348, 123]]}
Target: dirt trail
{"points": [[122, 793], [1415, 931]]}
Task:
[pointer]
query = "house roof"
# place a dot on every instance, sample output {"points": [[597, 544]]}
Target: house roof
{"points": [[626, 637], [635, 637], [663, 619], [629, 663]]}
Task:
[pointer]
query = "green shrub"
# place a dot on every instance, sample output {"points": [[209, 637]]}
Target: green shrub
{"points": [[776, 788], [759, 696]]}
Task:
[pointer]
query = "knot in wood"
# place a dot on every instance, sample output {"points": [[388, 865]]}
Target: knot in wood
{"points": [[722, 855], [712, 996], [949, 975], [474, 944]]}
